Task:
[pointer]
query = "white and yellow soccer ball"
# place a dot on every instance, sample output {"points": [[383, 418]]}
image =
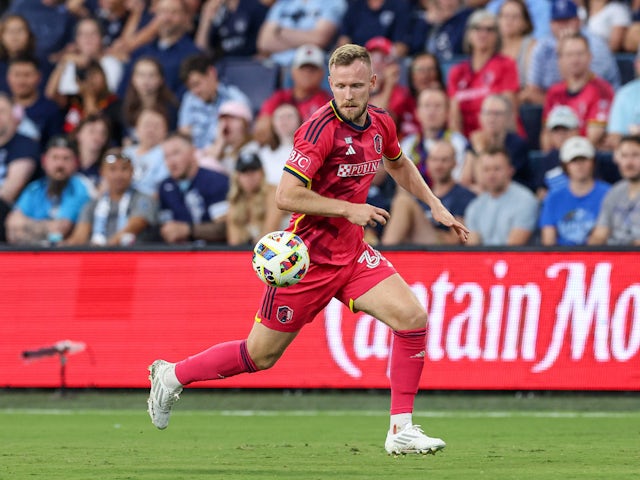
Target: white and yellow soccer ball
{"points": [[280, 259]]}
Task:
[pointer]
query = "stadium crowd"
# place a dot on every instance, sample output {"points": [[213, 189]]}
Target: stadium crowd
{"points": [[169, 121]]}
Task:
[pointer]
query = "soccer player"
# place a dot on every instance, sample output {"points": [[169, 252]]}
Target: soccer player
{"points": [[325, 182]]}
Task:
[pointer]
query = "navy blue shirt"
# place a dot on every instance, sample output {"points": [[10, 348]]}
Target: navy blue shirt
{"points": [[444, 41], [200, 200], [391, 20], [18, 147], [235, 34], [455, 200], [47, 116]]}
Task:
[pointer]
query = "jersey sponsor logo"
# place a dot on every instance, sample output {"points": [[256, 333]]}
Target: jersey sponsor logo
{"points": [[284, 314], [298, 159], [358, 169], [377, 142], [350, 150]]}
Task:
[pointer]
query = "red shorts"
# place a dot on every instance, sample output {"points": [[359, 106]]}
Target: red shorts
{"points": [[288, 309]]}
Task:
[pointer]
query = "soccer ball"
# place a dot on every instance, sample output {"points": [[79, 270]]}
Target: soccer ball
{"points": [[280, 259]]}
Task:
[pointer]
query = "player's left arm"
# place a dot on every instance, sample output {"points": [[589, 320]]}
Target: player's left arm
{"points": [[406, 174]]}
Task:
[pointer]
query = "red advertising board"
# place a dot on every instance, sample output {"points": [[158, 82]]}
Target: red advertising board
{"points": [[498, 320]]}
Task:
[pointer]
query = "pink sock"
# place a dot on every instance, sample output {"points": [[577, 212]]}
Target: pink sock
{"points": [[220, 361], [407, 360]]}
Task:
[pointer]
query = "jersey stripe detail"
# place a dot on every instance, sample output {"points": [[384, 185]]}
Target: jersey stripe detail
{"points": [[295, 224], [314, 125], [319, 131], [396, 157], [267, 303], [299, 175]]}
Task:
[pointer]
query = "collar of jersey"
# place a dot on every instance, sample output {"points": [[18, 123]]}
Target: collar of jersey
{"points": [[348, 122]]}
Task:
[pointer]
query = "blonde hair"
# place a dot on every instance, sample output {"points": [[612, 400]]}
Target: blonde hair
{"points": [[347, 54]]}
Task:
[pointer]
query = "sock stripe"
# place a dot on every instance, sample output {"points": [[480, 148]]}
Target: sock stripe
{"points": [[421, 332]]}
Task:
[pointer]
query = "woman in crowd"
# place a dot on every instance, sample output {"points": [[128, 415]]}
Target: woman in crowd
{"points": [[91, 137], [516, 29], [425, 72], [16, 39]]}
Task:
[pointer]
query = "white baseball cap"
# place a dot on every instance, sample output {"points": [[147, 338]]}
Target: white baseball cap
{"points": [[576, 147], [308, 55], [562, 116]]}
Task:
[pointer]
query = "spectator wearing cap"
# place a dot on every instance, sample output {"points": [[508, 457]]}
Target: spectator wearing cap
{"points": [[366, 19], [192, 200], [624, 116], [198, 112], [544, 70], [561, 123], [233, 137], [587, 94], [121, 215], [570, 212], [388, 92], [48, 207], [306, 93], [293, 23], [250, 203], [619, 219], [439, 28]]}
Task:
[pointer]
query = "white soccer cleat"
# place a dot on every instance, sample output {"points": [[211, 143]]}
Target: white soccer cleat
{"points": [[411, 439], [161, 397]]}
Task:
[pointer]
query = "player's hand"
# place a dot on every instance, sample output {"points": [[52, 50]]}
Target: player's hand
{"points": [[445, 217], [365, 214]]}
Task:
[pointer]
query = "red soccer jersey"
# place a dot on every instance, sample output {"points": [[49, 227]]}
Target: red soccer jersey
{"points": [[338, 159], [469, 88], [591, 104], [306, 107]]}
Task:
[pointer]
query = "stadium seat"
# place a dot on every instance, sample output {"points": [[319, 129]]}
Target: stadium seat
{"points": [[531, 118], [257, 79], [626, 65]]}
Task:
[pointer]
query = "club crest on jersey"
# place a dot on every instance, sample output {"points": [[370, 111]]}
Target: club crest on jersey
{"points": [[298, 159], [377, 142], [285, 314]]}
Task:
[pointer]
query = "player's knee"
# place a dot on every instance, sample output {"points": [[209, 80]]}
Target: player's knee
{"points": [[414, 320], [264, 361]]}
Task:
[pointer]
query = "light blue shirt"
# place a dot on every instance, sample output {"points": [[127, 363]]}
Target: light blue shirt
{"points": [[544, 71], [493, 218], [625, 110], [149, 169], [36, 204], [539, 11], [303, 15], [202, 117]]}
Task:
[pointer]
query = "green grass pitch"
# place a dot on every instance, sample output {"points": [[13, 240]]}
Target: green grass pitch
{"points": [[271, 435]]}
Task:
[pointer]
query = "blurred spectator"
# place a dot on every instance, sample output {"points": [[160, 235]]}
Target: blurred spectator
{"points": [[561, 123], [632, 37], [496, 132], [608, 20], [193, 201], [366, 19], [624, 116], [619, 219], [50, 21], [425, 73], [233, 137], [411, 220], [122, 215], [505, 213], [544, 69], [432, 112], [588, 95], [140, 28], [147, 89], [91, 138], [147, 155], [439, 28], [516, 35], [485, 72], [539, 11], [19, 159], [86, 47], [248, 201], [199, 108], [388, 93], [93, 97], [293, 23], [229, 28], [16, 39], [569, 213], [48, 207], [172, 45], [24, 79], [306, 93], [112, 16]]}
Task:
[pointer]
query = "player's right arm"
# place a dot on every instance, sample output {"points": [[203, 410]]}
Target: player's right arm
{"points": [[293, 196]]}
